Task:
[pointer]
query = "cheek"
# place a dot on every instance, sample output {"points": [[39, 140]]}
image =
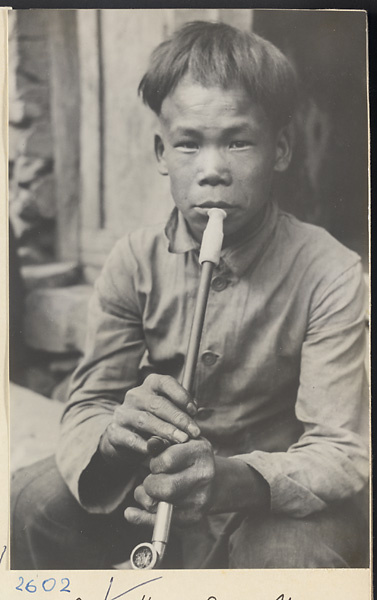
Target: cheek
{"points": [[181, 173], [178, 160], [250, 172], [180, 188]]}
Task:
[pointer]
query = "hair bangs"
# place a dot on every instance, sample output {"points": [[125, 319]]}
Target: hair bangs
{"points": [[216, 54]]}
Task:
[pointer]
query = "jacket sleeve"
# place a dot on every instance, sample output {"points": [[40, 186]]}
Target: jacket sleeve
{"points": [[114, 347], [330, 460]]}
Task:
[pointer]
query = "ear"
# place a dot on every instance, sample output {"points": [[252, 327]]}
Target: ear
{"points": [[284, 145], [159, 150]]}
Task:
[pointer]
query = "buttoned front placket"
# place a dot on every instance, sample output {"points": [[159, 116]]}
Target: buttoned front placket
{"points": [[212, 343]]}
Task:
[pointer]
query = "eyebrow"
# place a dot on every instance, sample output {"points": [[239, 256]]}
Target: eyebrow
{"points": [[233, 130], [186, 131]]}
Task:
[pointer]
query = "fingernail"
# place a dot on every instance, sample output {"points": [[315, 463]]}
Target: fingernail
{"points": [[180, 436], [194, 430], [191, 409]]}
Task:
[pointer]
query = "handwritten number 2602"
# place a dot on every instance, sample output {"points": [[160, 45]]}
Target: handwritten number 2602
{"points": [[47, 585]]}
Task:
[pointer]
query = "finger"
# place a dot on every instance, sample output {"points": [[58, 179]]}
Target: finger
{"points": [[152, 397], [142, 420], [178, 458], [120, 441], [146, 501], [141, 400], [156, 445], [136, 516], [173, 487], [165, 409], [170, 388], [171, 461]]}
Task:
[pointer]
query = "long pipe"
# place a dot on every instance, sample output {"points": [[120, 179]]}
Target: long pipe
{"points": [[149, 555]]}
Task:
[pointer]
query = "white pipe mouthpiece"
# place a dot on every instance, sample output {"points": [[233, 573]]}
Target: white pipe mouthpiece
{"points": [[213, 237]]}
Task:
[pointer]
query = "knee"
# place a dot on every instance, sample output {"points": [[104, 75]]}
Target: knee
{"points": [[280, 542], [26, 501], [37, 491], [256, 546]]}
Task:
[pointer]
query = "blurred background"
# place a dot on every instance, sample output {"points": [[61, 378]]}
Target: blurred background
{"points": [[82, 168]]}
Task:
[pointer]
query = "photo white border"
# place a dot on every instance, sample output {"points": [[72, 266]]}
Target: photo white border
{"points": [[294, 584]]}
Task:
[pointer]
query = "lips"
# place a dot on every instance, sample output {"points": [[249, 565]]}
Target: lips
{"points": [[202, 209], [208, 205]]}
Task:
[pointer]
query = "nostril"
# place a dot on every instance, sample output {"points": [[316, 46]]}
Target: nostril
{"points": [[210, 181], [214, 180]]}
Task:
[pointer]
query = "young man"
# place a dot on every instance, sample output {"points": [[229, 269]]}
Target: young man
{"points": [[265, 460]]}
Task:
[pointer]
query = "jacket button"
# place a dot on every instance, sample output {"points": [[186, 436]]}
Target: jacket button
{"points": [[219, 284], [209, 358], [204, 413]]}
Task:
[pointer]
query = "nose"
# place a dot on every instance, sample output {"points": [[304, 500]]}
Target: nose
{"points": [[214, 169]]}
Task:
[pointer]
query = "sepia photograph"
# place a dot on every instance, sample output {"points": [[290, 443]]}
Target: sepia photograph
{"points": [[188, 290]]}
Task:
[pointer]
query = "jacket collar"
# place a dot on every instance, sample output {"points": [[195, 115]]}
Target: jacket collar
{"points": [[238, 257]]}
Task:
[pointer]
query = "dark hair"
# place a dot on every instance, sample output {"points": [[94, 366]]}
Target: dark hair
{"points": [[216, 54]]}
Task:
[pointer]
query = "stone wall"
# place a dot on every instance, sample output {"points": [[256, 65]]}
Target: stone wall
{"points": [[32, 188], [47, 340]]}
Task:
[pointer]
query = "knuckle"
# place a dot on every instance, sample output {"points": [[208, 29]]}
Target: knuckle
{"points": [[167, 461], [208, 471], [179, 419], [171, 386], [138, 493], [118, 414], [137, 519], [152, 380], [131, 440], [170, 489], [206, 445], [141, 420], [116, 436], [206, 450], [173, 488], [130, 396], [143, 498], [201, 499], [150, 503], [164, 463], [203, 477], [158, 465], [149, 484], [209, 476], [111, 432], [155, 404]]}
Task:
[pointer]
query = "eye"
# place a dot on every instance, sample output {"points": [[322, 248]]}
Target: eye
{"points": [[186, 146], [239, 144]]}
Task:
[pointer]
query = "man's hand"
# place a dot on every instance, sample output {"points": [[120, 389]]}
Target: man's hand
{"points": [[160, 406], [198, 483], [182, 475]]}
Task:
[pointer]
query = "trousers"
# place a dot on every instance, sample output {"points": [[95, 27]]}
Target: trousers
{"points": [[50, 530]]}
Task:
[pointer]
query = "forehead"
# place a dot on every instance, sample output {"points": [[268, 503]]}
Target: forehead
{"points": [[191, 102]]}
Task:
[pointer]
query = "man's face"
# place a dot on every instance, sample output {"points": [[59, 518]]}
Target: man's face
{"points": [[220, 150]]}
